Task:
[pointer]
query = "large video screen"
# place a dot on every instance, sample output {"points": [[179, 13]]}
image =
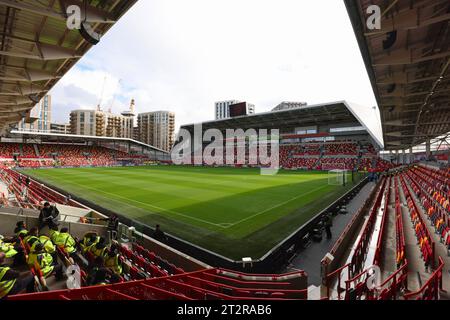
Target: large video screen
{"points": [[238, 109]]}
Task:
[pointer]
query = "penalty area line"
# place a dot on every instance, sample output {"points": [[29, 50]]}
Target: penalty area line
{"points": [[276, 206], [149, 205]]}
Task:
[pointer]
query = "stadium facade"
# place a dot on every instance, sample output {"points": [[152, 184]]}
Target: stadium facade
{"points": [[321, 123], [387, 229]]}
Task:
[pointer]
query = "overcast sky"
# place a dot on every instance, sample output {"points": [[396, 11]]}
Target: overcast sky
{"points": [[183, 56]]}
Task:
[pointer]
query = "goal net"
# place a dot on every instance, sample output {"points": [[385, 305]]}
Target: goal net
{"points": [[337, 177]]}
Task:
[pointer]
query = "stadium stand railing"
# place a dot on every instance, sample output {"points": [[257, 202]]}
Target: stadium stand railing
{"points": [[430, 290], [211, 284], [351, 279], [35, 192], [360, 252], [366, 255]]}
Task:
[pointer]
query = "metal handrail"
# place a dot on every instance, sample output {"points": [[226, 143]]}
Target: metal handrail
{"points": [[436, 276]]}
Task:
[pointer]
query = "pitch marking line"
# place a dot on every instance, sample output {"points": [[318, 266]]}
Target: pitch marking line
{"points": [[225, 225], [148, 205], [221, 225], [276, 206]]}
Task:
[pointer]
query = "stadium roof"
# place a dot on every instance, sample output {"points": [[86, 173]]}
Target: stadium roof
{"points": [[77, 138], [37, 48], [318, 114], [408, 65]]}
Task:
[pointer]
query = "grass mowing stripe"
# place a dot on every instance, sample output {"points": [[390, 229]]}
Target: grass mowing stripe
{"points": [[147, 204], [276, 206], [232, 211]]}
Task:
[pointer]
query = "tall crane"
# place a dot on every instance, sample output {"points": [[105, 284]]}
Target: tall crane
{"points": [[99, 105]]}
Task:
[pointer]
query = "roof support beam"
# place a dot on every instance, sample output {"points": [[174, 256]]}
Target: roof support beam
{"points": [[410, 19], [5, 109], [93, 15], [26, 75], [401, 78], [15, 102], [22, 90], [406, 56], [44, 52]]}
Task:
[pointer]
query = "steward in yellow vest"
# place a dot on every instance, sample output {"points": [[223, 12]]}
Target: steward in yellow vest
{"points": [[43, 261], [113, 261], [99, 249], [66, 241], [7, 248], [5, 285], [49, 247], [12, 249], [32, 239], [11, 282], [89, 239], [21, 230]]}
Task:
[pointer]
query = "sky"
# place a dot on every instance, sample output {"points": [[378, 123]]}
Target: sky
{"points": [[182, 56]]}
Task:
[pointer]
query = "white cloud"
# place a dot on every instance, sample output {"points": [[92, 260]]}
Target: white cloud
{"points": [[183, 55]]}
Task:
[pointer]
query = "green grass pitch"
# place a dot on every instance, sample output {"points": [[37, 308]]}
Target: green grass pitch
{"points": [[235, 212]]}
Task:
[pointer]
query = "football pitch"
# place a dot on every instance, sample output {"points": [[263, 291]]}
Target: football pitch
{"points": [[235, 212]]}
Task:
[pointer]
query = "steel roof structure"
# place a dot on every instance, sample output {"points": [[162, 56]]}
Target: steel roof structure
{"points": [[318, 114], [74, 138], [408, 62], [37, 48]]}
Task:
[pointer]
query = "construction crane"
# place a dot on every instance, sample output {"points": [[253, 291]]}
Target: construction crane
{"points": [[99, 108]]}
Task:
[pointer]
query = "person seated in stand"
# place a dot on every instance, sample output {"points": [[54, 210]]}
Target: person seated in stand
{"points": [[7, 248], [99, 274], [13, 282], [43, 261], [32, 238], [48, 216], [49, 246], [89, 239], [113, 260], [21, 230], [12, 249], [65, 241], [99, 249]]}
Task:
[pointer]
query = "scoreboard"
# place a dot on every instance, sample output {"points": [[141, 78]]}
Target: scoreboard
{"points": [[238, 109]]}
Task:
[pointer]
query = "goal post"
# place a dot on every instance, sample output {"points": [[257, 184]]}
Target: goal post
{"points": [[337, 177]]}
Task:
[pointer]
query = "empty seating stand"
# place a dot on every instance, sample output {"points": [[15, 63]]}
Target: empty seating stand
{"points": [[399, 232], [210, 284], [35, 193], [368, 252], [423, 235], [148, 262]]}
